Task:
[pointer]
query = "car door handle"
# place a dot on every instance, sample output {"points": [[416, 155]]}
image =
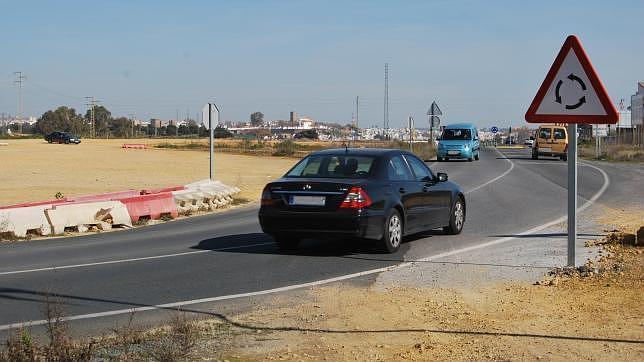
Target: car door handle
{"points": [[402, 190]]}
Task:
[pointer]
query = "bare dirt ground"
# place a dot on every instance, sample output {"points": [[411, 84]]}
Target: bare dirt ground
{"points": [[33, 170], [596, 315]]}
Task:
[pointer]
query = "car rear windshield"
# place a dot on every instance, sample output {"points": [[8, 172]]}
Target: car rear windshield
{"points": [[560, 134], [456, 134], [545, 133], [333, 166]]}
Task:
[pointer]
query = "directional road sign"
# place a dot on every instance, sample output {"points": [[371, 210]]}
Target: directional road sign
{"points": [[210, 115], [494, 129], [572, 91]]}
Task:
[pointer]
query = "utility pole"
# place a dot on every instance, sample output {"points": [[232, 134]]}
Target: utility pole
{"points": [[91, 103], [356, 127], [132, 124], [19, 79], [411, 133], [386, 102]]}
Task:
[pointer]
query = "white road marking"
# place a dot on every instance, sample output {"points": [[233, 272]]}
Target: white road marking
{"points": [[496, 178], [52, 268], [175, 305]]}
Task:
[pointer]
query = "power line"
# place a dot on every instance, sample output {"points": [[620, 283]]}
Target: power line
{"points": [[91, 102], [20, 78], [386, 102]]}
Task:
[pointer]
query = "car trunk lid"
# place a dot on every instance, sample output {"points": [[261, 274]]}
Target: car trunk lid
{"points": [[311, 194]]}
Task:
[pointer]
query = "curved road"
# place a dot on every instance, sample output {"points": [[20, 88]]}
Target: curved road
{"points": [[223, 256]]}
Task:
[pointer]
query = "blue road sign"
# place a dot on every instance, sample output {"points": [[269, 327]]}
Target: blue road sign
{"points": [[494, 129]]}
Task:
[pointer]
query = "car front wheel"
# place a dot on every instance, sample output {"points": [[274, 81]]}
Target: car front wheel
{"points": [[393, 230], [457, 218]]}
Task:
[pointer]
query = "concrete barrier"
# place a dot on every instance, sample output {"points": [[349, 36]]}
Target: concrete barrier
{"points": [[215, 193], [101, 213], [20, 220], [153, 206], [108, 196], [188, 200]]}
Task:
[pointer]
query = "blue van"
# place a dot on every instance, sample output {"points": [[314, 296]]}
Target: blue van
{"points": [[460, 141]]}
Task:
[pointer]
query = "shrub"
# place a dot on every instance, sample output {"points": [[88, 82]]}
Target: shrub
{"points": [[285, 148]]}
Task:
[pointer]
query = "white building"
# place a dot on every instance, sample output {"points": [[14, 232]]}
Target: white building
{"points": [[625, 119]]}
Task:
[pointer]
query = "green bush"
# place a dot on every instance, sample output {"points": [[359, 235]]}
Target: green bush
{"points": [[285, 148]]}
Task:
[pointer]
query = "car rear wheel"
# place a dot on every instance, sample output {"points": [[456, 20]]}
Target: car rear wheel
{"points": [[535, 154], [564, 158], [286, 243], [457, 218], [393, 231], [476, 157]]}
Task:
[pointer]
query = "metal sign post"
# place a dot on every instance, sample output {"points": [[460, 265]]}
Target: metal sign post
{"points": [[210, 112], [572, 192], [212, 144]]}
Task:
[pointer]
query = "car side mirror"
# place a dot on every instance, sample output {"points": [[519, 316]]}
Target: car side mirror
{"points": [[441, 177]]}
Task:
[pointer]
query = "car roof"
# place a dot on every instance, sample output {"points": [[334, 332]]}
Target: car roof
{"points": [[359, 151], [460, 125]]}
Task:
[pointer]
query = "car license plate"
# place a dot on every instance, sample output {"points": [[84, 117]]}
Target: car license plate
{"points": [[308, 200], [453, 152], [545, 149]]}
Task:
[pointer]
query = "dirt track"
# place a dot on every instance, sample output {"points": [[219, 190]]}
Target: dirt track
{"points": [[33, 170]]}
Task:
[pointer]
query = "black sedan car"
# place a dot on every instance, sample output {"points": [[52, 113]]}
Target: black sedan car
{"points": [[62, 137], [377, 194]]}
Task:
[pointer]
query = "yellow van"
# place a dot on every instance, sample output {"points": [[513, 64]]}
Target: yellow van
{"points": [[551, 140]]}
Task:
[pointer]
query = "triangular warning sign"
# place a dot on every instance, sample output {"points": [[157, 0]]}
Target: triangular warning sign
{"points": [[572, 91]]}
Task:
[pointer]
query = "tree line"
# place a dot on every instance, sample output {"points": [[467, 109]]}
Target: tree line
{"points": [[101, 124]]}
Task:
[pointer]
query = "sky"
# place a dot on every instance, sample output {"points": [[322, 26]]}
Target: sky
{"points": [[481, 61]]}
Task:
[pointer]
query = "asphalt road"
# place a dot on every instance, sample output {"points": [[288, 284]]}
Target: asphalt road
{"points": [[226, 254]]}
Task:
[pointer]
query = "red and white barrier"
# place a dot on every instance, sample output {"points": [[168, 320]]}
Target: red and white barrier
{"points": [[153, 206], [137, 146], [113, 208]]}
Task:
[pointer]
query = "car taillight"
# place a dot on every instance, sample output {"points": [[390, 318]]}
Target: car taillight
{"points": [[267, 200], [357, 198]]}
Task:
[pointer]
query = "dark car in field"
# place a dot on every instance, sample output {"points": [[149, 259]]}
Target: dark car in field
{"points": [[377, 194], [62, 137]]}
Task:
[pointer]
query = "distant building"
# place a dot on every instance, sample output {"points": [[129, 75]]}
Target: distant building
{"points": [[625, 119], [156, 123], [637, 106]]}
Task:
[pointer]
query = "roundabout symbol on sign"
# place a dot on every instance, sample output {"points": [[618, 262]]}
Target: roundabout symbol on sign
{"points": [[494, 129], [581, 100]]}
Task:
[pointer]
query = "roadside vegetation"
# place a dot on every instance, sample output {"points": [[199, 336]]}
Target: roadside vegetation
{"points": [[290, 148], [619, 153]]}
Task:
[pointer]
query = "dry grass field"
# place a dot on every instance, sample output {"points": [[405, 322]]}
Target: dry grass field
{"points": [[33, 170]]}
